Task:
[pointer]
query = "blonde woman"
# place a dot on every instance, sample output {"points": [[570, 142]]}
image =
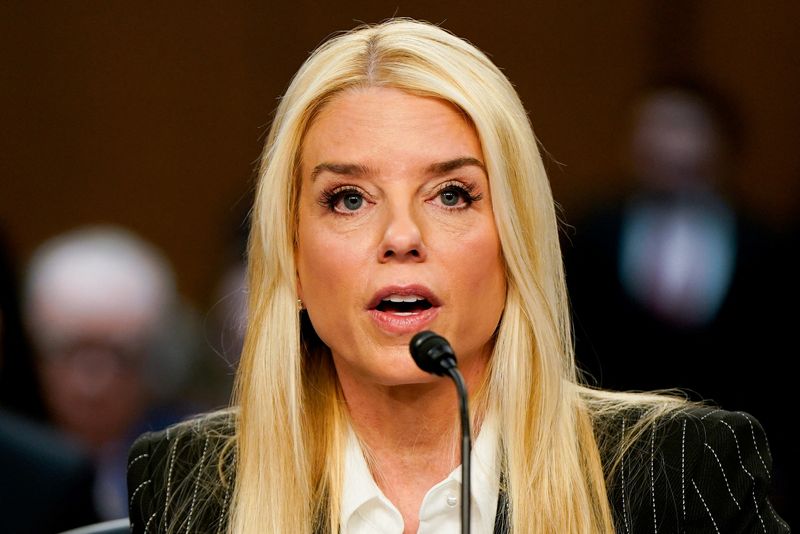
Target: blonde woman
{"points": [[401, 189]]}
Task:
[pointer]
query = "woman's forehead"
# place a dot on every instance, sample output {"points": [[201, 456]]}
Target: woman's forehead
{"points": [[380, 123]]}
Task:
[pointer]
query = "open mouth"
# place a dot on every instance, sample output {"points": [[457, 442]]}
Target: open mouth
{"points": [[404, 309], [403, 304]]}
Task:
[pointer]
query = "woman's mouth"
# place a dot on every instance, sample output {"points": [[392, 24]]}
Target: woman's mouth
{"points": [[404, 310]]}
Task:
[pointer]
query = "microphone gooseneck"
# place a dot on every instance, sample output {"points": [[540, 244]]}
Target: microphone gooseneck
{"points": [[433, 354]]}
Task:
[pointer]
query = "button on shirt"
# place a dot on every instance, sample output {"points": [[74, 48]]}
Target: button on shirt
{"points": [[366, 510]]}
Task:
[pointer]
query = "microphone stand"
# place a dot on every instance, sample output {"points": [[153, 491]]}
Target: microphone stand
{"points": [[433, 354], [466, 448]]}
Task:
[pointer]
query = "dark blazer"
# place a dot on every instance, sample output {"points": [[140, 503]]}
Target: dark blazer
{"points": [[702, 471]]}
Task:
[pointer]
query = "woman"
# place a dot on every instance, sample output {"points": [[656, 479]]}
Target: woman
{"points": [[401, 189]]}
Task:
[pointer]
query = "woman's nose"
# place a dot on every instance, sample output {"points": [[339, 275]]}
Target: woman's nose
{"points": [[402, 237]]}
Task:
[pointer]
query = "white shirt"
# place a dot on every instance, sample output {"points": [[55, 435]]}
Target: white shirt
{"points": [[366, 510]]}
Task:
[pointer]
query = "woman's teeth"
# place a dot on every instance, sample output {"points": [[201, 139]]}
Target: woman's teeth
{"points": [[404, 304]]}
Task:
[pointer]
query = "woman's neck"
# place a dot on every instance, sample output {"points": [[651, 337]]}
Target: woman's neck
{"points": [[408, 420], [410, 434], [404, 421]]}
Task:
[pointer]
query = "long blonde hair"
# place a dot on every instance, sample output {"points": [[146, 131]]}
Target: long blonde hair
{"points": [[291, 423]]}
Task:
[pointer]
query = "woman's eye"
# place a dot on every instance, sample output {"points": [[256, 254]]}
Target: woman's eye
{"points": [[450, 197], [456, 196], [351, 201], [344, 201]]}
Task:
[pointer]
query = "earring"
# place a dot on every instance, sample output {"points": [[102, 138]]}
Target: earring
{"points": [[300, 306]]}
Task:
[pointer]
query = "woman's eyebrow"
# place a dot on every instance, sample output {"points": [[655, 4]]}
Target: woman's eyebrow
{"points": [[345, 169], [359, 170], [448, 166]]}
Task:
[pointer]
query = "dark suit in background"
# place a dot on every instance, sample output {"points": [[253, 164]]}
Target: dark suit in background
{"points": [[45, 484]]}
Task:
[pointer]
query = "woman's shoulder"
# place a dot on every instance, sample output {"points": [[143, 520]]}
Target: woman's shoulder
{"points": [[682, 440], [711, 429], [191, 435], [183, 474], [698, 420], [694, 436], [694, 468]]}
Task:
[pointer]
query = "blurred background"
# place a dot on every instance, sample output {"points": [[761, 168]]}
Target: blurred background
{"points": [[133, 130]]}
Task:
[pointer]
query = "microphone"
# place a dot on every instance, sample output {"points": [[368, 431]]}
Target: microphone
{"points": [[433, 354]]}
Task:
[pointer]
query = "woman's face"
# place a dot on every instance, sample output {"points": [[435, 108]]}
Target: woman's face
{"points": [[396, 234]]}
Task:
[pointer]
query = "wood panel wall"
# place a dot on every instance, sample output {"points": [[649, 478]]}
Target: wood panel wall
{"points": [[152, 114]]}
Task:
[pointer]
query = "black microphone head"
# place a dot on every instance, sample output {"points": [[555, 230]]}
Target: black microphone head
{"points": [[432, 353]]}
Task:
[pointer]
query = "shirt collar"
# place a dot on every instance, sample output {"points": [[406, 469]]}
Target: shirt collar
{"points": [[360, 489]]}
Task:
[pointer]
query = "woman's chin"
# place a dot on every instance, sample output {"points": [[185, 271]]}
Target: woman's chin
{"points": [[414, 377], [394, 367]]}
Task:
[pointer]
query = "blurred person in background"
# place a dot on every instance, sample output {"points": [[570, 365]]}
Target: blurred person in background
{"points": [[672, 285], [45, 482], [110, 340]]}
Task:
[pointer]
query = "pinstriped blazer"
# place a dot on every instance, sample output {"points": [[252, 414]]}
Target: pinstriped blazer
{"points": [[706, 471], [702, 471]]}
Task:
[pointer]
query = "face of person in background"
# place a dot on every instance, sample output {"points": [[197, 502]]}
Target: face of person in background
{"points": [[396, 234], [97, 302], [675, 144], [101, 306], [92, 376]]}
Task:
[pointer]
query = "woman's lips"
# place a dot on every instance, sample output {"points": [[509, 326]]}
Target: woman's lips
{"points": [[405, 322], [393, 318]]}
